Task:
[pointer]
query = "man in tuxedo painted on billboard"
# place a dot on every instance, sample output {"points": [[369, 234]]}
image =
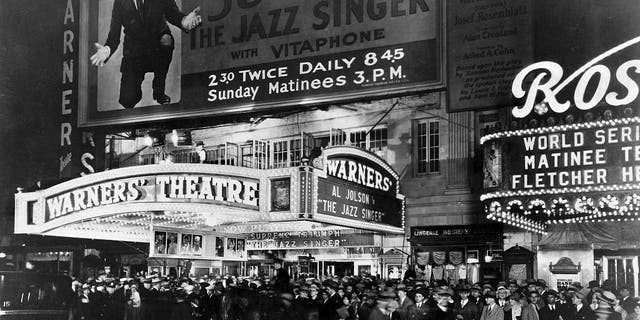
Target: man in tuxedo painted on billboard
{"points": [[147, 47]]}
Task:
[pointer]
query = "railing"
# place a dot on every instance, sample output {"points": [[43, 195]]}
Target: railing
{"points": [[255, 154]]}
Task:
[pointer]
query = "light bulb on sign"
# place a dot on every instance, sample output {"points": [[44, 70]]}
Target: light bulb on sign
{"points": [[174, 137], [148, 141]]}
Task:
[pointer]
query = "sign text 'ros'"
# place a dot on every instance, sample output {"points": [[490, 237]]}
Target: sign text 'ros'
{"points": [[548, 76]]}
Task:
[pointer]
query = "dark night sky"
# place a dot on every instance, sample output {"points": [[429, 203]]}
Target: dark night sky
{"points": [[30, 94]]}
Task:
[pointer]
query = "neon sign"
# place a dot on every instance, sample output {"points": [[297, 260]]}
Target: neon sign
{"points": [[548, 77]]}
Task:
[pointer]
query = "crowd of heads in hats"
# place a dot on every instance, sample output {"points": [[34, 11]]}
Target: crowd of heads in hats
{"points": [[349, 297]]}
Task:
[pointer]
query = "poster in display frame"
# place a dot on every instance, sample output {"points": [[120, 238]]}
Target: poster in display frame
{"points": [[323, 72], [281, 194], [473, 256], [220, 245], [168, 243], [235, 248], [160, 242]]}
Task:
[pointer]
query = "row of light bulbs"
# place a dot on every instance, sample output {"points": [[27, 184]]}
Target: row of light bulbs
{"points": [[550, 191], [559, 128]]}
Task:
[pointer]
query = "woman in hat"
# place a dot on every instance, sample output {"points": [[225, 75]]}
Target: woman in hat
{"points": [[133, 304]]}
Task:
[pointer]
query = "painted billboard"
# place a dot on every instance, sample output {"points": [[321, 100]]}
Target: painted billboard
{"points": [[255, 55]]}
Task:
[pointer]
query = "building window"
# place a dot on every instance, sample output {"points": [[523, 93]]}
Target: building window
{"points": [[375, 142], [280, 154], [428, 146], [296, 151], [285, 153]]}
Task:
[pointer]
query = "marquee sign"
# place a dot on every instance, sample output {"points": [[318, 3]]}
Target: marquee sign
{"points": [[359, 188], [234, 191], [308, 240], [125, 203], [567, 173], [575, 169]]}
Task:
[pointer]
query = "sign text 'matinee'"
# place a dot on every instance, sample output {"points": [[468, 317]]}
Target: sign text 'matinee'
{"points": [[205, 188]]}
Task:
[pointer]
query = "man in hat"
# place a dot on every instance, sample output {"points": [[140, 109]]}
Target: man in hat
{"points": [[552, 310], [333, 303], [532, 310], [422, 308], [98, 298], [444, 301], [152, 299], [476, 297], [405, 303], [513, 286], [465, 309], [367, 305], [593, 286], [626, 299], [606, 304], [282, 276], [113, 309], [380, 312], [491, 311], [541, 286]]}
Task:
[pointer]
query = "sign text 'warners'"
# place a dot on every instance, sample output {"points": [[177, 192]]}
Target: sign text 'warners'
{"points": [[188, 188], [358, 173]]}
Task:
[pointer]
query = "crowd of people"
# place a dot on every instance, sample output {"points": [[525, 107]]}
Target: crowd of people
{"points": [[346, 298]]}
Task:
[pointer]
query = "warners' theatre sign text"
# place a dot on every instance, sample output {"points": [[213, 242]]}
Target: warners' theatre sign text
{"points": [[196, 188]]}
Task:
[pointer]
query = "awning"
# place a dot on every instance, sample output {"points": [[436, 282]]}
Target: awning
{"points": [[602, 235]]}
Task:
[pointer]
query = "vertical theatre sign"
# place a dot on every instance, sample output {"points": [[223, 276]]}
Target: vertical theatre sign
{"points": [[69, 94], [359, 190]]}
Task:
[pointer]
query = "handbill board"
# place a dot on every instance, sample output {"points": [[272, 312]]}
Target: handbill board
{"points": [[489, 41], [254, 55]]}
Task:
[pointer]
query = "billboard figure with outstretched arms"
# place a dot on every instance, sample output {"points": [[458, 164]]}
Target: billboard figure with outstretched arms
{"points": [[147, 47]]}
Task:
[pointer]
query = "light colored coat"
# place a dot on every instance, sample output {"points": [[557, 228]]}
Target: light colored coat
{"points": [[529, 312], [495, 313]]}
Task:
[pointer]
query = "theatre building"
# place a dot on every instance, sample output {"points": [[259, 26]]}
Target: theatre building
{"points": [[567, 169], [329, 141], [327, 201]]}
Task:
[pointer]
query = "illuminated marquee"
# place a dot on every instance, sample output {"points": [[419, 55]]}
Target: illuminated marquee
{"points": [[587, 170], [359, 173], [205, 188], [359, 189]]}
